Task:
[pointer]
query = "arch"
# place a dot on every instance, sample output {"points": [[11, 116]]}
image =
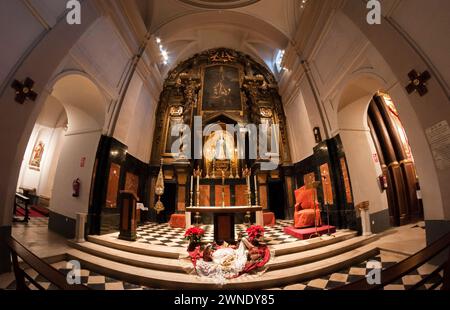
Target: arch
{"points": [[54, 47], [83, 101], [231, 29], [418, 113], [354, 101]]}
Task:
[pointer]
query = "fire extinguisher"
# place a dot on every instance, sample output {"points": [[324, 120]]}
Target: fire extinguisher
{"points": [[76, 188]]}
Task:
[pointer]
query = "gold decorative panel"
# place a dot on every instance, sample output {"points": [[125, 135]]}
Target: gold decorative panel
{"points": [[326, 184], [241, 198], [132, 183], [204, 196], [113, 186], [218, 195], [345, 176]]}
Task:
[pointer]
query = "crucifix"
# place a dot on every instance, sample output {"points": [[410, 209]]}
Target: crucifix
{"points": [[24, 90], [418, 82]]}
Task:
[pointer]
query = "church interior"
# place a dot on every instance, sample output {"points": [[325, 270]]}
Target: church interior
{"points": [[227, 144]]}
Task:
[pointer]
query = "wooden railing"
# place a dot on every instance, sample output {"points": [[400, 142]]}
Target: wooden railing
{"points": [[23, 202], [41, 267], [397, 271]]}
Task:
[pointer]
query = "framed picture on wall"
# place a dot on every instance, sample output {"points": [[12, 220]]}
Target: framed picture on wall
{"points": [[36, 156]]}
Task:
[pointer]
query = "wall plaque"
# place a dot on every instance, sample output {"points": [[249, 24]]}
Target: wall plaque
{"points": [[439, 139]]}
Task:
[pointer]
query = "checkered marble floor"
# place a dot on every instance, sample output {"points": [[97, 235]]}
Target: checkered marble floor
{"points": [[33, 222], [360, 271], [163, 234], [90, 279]]}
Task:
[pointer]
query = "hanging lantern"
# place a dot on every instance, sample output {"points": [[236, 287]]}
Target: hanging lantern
{"points": [[159, 190]]}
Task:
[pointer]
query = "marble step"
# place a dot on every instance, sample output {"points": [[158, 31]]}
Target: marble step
{"points": [[134, 259], [314, 243], [184, 265], [111, 241], [176, 280], [316, 254]]}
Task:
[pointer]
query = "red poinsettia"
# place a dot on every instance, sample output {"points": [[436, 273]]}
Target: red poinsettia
{"points": [[194, 234], [255, 232]]}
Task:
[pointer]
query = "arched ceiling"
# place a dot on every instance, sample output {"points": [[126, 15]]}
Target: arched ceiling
{"points": [[219, 4], [84, 104], [258, 28]]}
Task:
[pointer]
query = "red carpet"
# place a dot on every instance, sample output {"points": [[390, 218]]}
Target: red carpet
{"points": [[32, 213], [304, 233]]}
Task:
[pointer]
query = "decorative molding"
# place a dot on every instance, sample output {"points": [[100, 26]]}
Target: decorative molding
{"points": [[37, 15]]}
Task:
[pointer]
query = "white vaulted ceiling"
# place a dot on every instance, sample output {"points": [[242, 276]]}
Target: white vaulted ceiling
{"points": [[258, 28]]}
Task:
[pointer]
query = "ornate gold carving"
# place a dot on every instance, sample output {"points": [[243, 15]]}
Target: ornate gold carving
{"points": [[221, 56], [159, 190], [394, 164], [266, 112], [176, 111]]}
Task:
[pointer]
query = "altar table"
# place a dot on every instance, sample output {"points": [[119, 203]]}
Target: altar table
{"points": [[224, 219]]}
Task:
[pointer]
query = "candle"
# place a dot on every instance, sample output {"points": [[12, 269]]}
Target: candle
{"points": [[198, 182], [192, 183], [256, 183]]}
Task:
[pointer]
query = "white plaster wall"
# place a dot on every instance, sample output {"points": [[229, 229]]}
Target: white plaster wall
{"points": [[137, 120], [75, 147], [359, 150], [428, 26], [17, 39], [47, 179], [300, 131]]}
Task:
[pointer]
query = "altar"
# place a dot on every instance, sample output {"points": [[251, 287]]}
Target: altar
{"points": [[224, 218]]}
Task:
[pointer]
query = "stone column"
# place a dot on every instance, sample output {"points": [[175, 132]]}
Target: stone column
{"points": [[79, 231], [363, 207]]}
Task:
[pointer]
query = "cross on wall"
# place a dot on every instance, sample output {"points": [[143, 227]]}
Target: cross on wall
{"points": [[418, 82], [24, 90]]}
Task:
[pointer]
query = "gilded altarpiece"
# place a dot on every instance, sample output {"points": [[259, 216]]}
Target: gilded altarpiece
{"points": [[224, 87]]}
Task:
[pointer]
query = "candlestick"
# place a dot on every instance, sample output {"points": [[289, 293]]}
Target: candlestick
{"points": [[256, 190], [191, 190]]}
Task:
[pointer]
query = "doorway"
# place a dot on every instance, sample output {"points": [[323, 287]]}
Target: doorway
{"points": [[276, 198], [399, 178], [169, 201]]}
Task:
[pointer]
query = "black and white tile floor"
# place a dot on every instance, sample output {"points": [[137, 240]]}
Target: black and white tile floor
{"points": [[163, 234], [100, 282], [361, 270], [90, 279]]}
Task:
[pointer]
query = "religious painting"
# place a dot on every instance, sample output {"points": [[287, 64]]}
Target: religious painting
{"points": [[175, 119], [36, 156], [345, 176], [221, 89], [132, 183], [326, 184], [113, 186]]}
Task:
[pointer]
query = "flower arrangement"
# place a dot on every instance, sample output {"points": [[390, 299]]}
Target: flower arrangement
{"points": [[255, 232], [194, 234]]}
